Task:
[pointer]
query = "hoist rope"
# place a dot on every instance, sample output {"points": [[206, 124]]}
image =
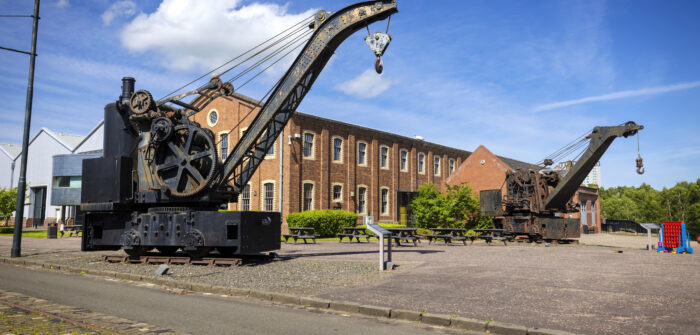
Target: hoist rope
{"points": [[268, 57], [300, 43], [303, 21]]}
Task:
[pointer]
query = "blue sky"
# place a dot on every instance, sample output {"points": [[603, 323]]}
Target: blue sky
{"points": [[523, 78]]}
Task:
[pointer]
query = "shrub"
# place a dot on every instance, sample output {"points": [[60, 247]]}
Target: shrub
{"points": [[326, 222], [457, 207], [7, 230]]}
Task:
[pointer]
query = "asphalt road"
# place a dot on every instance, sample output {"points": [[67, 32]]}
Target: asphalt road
{"points": [[193, 313]]}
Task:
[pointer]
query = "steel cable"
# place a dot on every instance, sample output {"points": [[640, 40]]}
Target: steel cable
{"points": [[305, 20]]}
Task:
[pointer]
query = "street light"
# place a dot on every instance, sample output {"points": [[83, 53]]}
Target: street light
{"points": [[19, 216]]}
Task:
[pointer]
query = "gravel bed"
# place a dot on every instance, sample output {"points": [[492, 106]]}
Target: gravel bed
{"points": [[286, 274]]}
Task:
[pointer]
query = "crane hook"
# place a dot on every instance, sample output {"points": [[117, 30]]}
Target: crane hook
{"points": [[378, 65], [640, 162], [640, 165]]}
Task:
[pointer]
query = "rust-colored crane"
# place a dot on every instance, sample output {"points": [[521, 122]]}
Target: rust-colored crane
{"points": [[535, 195]]}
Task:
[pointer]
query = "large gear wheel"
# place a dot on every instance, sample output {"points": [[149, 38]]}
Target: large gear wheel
{"points": [[141, 102], [186, 162]]}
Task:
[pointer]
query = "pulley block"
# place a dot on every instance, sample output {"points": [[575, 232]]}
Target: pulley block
{"points": [[378, 42]]}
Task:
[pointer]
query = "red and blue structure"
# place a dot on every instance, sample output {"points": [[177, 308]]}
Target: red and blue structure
{"points": [[673, 238]]}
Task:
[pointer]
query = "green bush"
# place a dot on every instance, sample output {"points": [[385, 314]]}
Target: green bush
{"points": [[7, 230], [457, 207], [326, 222]]}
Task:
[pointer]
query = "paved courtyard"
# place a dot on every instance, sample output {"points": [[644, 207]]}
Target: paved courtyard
{"points": [[590, 288]]}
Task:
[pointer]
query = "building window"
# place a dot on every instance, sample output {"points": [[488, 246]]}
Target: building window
{"points": [[308, 197], [271, 152], [223, 145], [245, 198], [337, 192], [404, 160], [436, 165], [452, 166], [67, 181], [308, 145], [421, 163], [384, 157], [385, 201], [361, 153], [362, 200], [337, 149], [212, 118], [269, 197], [592, 213], [584, 218]]}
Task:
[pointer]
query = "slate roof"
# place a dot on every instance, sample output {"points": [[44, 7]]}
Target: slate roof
{"points": [[13, 149]]}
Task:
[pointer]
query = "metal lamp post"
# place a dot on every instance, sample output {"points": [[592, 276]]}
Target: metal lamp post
{"points": [[19, 216]]}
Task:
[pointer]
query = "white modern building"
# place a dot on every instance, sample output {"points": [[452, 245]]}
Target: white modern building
{"points": [[42, 147], [593, 177], [9, 170]]}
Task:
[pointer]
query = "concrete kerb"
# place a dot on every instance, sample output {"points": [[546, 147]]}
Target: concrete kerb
{"points": [[543, 331], [375, 311], [505, 328], [468, 324], [403, 314], [434, 319]]}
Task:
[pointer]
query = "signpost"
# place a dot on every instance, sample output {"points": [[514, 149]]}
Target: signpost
{"points": [[381, 233]]}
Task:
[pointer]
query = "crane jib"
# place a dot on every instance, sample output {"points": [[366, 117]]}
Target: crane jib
{"points": [[331, 29]]}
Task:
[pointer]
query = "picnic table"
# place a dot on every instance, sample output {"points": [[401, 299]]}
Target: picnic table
{"points": [[354, 233], [72, 229], [300, 233], [404, 234], [491, 234], [449, 234]]}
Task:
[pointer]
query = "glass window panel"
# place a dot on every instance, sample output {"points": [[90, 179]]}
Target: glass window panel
{"points": [[308, 144]]}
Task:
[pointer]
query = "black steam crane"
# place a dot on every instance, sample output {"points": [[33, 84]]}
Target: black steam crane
{"points": [[159, 183], [535, 195]]}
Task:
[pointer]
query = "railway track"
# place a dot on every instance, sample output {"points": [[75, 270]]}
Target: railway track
{"points": [[177, 260]]}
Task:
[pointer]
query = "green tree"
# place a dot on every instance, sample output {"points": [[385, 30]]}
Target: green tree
{"points": [[428, 207], [8, 202], [462, 206], [645, 204], [457, 207]]}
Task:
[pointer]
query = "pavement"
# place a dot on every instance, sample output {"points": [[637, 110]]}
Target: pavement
{"points": [[186, 311], [612, 287]]}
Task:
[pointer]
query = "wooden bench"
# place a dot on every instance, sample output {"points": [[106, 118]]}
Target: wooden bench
{"points": [[405, 234], [300, 233], [72, 229], [354, 233]]}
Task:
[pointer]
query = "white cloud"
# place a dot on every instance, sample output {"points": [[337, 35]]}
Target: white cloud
{"points": [[618, 95], [367, 85], [200, 35], [124, 8], [62, 3]]}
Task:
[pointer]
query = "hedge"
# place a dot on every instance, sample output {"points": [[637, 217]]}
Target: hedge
{"points": [[326, 222], [7, 230]]}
